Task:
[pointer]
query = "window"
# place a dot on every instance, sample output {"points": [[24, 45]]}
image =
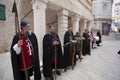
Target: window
{"points": [[2, 12]]}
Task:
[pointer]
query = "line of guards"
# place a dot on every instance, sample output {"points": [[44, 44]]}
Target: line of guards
{"points": [[25, 53], [54, 59]]}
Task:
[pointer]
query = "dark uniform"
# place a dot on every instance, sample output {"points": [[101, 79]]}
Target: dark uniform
{"points": [[68, 37], [99, 41], [86, 44], [49, 59]]}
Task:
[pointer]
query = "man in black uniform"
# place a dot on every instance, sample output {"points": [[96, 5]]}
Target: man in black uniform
{"points": [[68, 38], [86, 43], [52, 54]]}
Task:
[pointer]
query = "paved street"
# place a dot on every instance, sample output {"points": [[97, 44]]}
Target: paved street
{"points": [[103, 64]]}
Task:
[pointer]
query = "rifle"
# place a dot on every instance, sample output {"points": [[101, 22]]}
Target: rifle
{"points": [[14, 10]]}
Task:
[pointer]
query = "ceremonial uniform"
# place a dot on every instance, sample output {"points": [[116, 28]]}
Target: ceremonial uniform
{"points": [[86, 44], [25, 58], [68, 37], [49, 58]]}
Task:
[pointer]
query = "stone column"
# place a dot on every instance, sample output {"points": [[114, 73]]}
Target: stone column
{"points": [[89, 25], [97, 26], [62, 23], [85, 24], [39, 16], [82, 28], [75, 22]]}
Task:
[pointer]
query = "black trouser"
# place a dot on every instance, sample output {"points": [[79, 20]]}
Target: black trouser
{"points": [[29, 73]]}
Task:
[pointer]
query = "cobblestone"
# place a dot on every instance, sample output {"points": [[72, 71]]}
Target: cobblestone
{"points": [[103, 64]]}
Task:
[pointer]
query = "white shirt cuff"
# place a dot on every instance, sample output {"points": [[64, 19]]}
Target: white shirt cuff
{"points": [[17, 49]]}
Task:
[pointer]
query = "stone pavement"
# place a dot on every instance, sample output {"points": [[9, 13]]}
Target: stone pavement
{"points": [[103, 64]]}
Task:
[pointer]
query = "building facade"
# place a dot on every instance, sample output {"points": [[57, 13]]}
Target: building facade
{"points": [[61, 13], [102, 13], [7, 26], [116, 16]]}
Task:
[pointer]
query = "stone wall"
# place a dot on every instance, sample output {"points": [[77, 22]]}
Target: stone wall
{"points": [[81, 7], [7, 28]]}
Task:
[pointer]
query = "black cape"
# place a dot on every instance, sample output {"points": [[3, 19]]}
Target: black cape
{"points": [[15, 61], [100, 37], [68, 48], [48, 54], [86, 44]]}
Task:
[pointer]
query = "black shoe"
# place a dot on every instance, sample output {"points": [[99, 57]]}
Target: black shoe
{"points": [[94, 48], [98, 45], [65, 69], [81, 59], [58, 72], [84, 54], [74, 64], [89, 53]]}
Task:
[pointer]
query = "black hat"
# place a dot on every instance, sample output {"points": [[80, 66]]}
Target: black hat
{"points": [[50, 26], [23, 23]]}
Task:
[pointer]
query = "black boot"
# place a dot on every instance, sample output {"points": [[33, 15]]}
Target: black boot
{"points": [[65, 69], [58, 72]]}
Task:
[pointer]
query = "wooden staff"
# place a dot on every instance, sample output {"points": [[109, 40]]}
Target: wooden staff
{"points": [[55, 63], [55, 57], [73, 45], [90, 46], [23, 58], [81, 41], [17, 22]]}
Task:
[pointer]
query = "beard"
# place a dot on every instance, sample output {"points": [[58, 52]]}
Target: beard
{"points": [[28, 32], [52, 33]]}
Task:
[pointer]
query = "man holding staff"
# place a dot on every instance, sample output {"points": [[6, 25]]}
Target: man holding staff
{"points": [[25, 54]]}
